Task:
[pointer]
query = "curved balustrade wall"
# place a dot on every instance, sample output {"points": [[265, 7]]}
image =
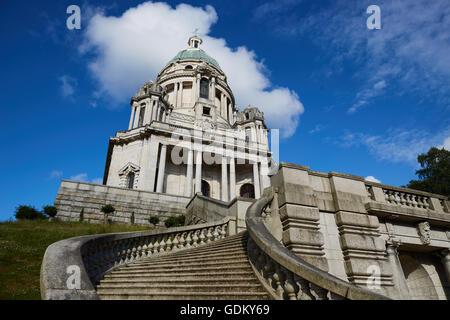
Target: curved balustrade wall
{"points": [[71, 268], [285, 275]]}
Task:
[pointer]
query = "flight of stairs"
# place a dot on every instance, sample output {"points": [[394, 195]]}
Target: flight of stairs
{"points": [[218, 270]]}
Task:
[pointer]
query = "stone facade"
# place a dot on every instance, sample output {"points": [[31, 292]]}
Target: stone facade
{"points": [[186, 135], [76, 197], [391, 240]]}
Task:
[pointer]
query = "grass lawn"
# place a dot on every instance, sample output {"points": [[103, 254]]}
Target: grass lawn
{"points": [[22, 247]]}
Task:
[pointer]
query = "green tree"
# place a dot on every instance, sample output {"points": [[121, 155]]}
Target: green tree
{"points": [[28, 213], [175, 221], [434, 176], [51, 211]]}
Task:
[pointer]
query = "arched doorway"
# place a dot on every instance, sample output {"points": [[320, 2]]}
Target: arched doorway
{"points": [[420, 284], [206, 190], [247, 191]]}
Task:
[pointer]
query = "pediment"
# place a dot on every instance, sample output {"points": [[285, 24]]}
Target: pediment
{"points": [[129, 167]]}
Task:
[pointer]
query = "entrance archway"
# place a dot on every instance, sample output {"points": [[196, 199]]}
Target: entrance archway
{"points": [[247, 191]]}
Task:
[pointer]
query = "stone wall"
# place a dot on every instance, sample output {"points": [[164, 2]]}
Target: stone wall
{"points": [[358, 230], [74, 197], [202, 209]]}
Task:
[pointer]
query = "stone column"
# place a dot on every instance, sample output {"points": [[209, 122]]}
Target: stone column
{"points": [[154, 111], [224, 184], [136, 116], [265, 181], [197, 89], [198, 172], [223, 107], [150, 165], [162, 168], [445, 258], [230, 113], [189, 171], [130, 125], [256, 180], [232, 180], [164, 116], [175, 94], [212, 91], [180, 95], [397, 271]]}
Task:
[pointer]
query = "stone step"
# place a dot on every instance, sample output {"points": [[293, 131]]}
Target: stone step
{"points": [[189, 253], [170, 266], [245, 267], [144, 276], [207, 248], [209, 257], [129, 283], [187, 296], [191, 261], [149, 288]]}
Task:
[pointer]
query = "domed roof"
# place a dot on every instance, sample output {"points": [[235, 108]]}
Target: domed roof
{"points": [[195, 54]]}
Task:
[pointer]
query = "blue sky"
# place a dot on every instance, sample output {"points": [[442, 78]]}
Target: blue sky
{"points": [[346, 98]]}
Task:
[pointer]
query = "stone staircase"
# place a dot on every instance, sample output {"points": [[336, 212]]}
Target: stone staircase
{"points": [[217, 270]]}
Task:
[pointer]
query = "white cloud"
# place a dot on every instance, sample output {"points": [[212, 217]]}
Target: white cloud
{"points": [[445, 145], [132, 48], [83, 177], [397, 145], [372, 179], [68, 85], [56, 174], [410, 51], [317, 128], [97, 180]]}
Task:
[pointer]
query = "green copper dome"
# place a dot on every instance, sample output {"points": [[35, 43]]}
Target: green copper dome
{"points": [[195, 54]]}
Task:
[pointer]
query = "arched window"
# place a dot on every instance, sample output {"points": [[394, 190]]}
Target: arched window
{"points": [[131, 180], [247, 191], [204, 88], [188, 67], [206, 190]]}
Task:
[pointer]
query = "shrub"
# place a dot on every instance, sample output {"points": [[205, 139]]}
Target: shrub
{"points": [[154, 220], [82, 215], [28, 213], [175, 221], [107, 209], [132, 218], [50, 211]]}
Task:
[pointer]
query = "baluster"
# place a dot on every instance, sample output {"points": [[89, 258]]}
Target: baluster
{"points": [[426, 202], [277, 278], [145, 249], [169, 243], [223, 232], [150, 247], [189, 240], [202, 236], [216, 233], [289, 285], [176, 242], [195, 239], [139, 249], [318, 292], [182, 240], [156, 245], [390, 196], [208, 235], [303, 288], [162, 244]]}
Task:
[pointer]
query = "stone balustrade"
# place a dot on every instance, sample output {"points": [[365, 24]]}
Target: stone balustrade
{"points": [[405, 197], [98, 255], [285, 275]]}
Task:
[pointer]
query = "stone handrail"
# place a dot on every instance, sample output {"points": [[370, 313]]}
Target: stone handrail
{"points": [[287, 276], [72, 268], [406, 197]]}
